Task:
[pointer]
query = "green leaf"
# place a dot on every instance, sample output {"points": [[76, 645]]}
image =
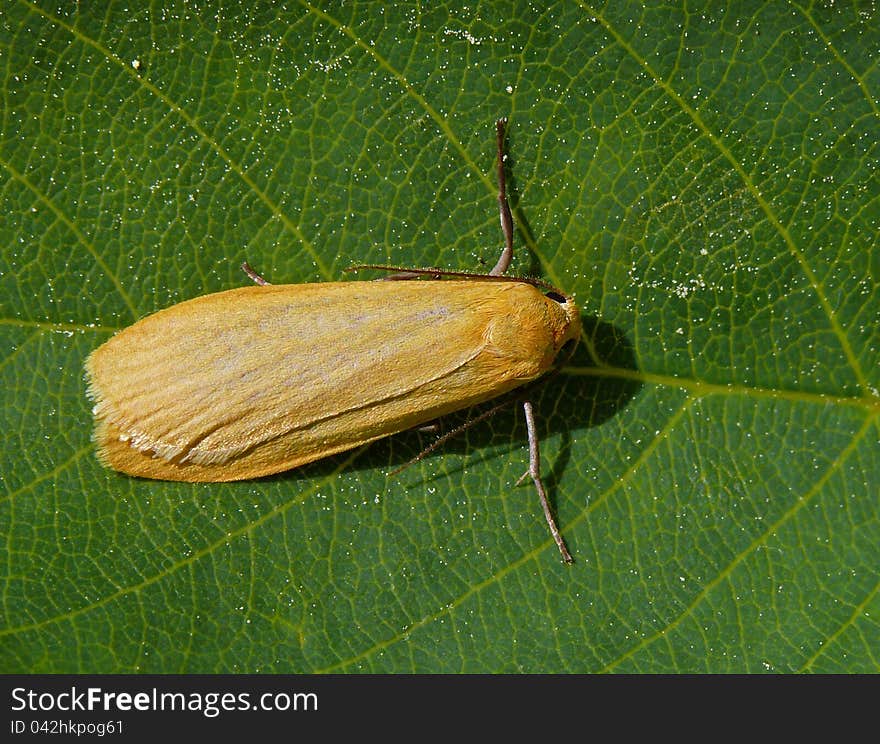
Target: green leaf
{"points": [[704, 179]]}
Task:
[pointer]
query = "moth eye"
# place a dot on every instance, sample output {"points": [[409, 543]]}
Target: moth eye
{"points": [[568, 348], [556, 297]]}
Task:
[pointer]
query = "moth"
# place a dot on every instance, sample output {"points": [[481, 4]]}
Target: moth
{"points": [[264, 378]]}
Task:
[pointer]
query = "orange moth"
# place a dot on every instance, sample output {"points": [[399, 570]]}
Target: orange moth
{"points": [[260, 379]]}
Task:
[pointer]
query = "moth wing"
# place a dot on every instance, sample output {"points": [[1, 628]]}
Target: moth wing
{"points": [[209, 379]]}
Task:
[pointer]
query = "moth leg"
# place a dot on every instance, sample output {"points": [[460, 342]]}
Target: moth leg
{"points": [[503, 210], [246, 268], [503, 207], [500, 268], [535, 472], [400, 277], [445, 437]]}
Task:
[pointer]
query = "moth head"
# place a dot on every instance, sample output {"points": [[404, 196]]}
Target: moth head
{"points": [[567, 331]]}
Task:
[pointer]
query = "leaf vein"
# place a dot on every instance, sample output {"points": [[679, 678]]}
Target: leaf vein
{"points": [[775, 220]]}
